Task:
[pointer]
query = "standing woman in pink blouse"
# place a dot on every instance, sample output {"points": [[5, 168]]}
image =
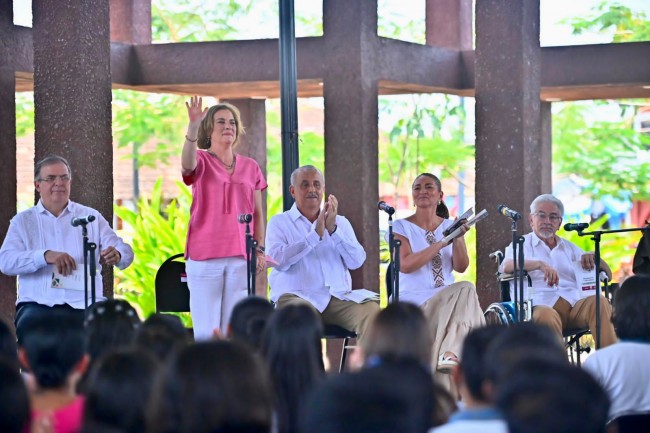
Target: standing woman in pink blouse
{"points": [[224, 186]]}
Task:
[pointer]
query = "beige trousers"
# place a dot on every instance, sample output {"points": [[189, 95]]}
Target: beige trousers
{"points": [[581, 315], [452, 314], [347, 314]]}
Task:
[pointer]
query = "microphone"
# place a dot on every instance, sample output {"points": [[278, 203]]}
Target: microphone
{"points": [[575, 226], [245, 218], [505, 210], [386, 208], [78, 221]]}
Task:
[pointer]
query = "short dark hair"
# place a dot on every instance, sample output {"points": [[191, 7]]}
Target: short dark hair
{"points": [[399, 330], [396, 395], [473, 358], [631, 312], [118, 390], [537, 396], [248, 320], [521, 341], [50, 160], [110, 324], [54, 344], [216, 386], [14, 400], [162, 334]]}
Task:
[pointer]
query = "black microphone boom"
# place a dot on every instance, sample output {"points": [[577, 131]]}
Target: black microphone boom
{"points": [[78, 221], [578, 227], [245, 218], [386, 208], [505, 210]]}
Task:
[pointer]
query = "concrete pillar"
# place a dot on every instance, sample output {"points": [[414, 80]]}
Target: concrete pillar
{"points": [[508, 169], [131, 21], [351, 131], [7, 147], [546, 147], [449, 23], [253, 145], [72, 97]]}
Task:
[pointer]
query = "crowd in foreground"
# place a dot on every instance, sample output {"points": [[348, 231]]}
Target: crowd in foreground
{"points": [[266, 374]]}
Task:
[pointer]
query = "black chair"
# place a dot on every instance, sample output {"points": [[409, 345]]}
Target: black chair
{"points": [[332, 332], [633, 423], [172, 293], [503, 312]]}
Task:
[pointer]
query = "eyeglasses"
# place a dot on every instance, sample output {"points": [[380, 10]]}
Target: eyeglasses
{"points": [[64, 178], [552, 217]]}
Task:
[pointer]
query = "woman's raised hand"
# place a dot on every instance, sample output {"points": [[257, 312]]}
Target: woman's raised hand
{"points": [[195, 110]]}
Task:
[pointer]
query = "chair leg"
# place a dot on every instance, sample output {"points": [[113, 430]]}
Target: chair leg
{"points": [[344, 354]]}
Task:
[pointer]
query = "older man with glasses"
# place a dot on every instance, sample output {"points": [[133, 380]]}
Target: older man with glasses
{"points": [[554, 265], [45, 250]]}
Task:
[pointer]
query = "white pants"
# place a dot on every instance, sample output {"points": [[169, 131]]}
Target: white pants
{"points": [[216, 285]]}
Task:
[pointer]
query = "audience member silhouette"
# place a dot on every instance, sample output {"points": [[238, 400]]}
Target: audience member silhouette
{"points": [[118, 391], [162, 335], [623, 368], [395, 395], [539, 395], [212, 387], [248, 320], [14, 400], [291, 344], [52, 349], [478, 413]]}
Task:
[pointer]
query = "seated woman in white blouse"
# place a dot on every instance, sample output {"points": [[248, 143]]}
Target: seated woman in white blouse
{"points": [[426, 279]]}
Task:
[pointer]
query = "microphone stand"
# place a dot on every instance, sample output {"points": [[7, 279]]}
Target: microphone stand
{"points": [[596, 236], [394, 263], [518, 271], [90, 265], [251, 265]]}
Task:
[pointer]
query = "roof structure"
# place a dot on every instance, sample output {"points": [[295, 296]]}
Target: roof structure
{"points": [[78, 50]]}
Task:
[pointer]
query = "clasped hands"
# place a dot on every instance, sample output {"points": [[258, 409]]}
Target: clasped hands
{"points": [[327, 217]]}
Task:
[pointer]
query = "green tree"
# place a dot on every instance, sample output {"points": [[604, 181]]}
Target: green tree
{"points": [[195, 20], [628, 25], [611, 156], [430, 137], [159, 227]]}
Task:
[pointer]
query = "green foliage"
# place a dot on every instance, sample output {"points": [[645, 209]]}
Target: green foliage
{"points": [[430, 137], [628, 25], [195, 20], [140, 117], [24, 114], [396, 24], [311, 149], [615, 248], [159, 231], [607, 154]]}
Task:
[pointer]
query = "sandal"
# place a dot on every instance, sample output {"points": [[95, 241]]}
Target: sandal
{"points": [[446, 363]]}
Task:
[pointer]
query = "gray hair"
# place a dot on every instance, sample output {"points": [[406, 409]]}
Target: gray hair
{"points": [[297, 171], [50, 160], [546, 198]]}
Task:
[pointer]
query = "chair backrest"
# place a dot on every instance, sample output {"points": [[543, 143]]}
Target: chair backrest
{"points": [[172, 294], [389, 280], [631, 423]]}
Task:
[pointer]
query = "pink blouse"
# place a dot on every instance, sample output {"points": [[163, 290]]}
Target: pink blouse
{"points": [[67, 419], [218, 198]]}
